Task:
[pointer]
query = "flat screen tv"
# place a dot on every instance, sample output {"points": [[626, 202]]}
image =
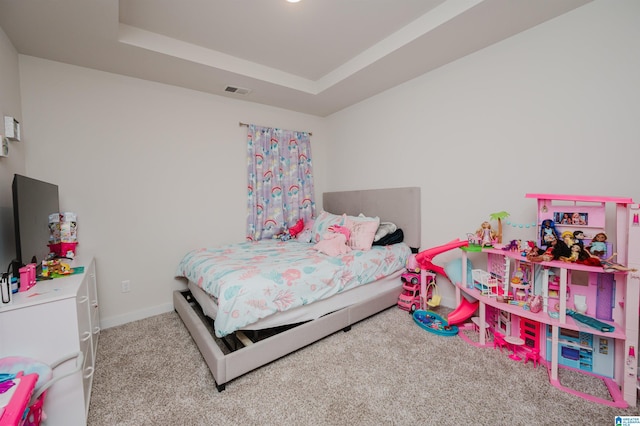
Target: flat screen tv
{"points": [[33, 202]]}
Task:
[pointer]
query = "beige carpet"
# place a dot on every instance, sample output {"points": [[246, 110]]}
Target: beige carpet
{"points": [[386, 370]]}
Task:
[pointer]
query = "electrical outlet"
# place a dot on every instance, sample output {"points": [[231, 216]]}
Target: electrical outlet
{"points": [[126, 286]]}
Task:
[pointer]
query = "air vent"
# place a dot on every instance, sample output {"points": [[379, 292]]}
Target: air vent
{"points": [[237, 90]]}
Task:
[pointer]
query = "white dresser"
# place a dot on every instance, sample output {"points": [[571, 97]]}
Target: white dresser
{"points": [[53, 319]]}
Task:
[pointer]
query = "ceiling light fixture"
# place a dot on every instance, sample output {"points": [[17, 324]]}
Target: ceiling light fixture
{"points": [[293, 1]]}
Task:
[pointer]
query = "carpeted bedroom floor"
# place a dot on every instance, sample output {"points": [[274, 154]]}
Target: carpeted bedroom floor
{"points": [[386, 370]]}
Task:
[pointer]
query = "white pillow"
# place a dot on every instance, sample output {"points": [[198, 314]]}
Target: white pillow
{"points": [[385, 229]]}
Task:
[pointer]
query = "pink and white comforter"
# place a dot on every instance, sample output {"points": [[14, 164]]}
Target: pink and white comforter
{"points": [[253, 280]]}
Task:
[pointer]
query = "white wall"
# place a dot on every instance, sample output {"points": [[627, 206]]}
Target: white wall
{"points": [[151, 170], [553, 110], [15, 162]]}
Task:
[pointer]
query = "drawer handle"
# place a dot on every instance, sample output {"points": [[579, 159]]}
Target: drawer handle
{"points": [[88, 372], [85, 336], [83, 299], [96, 330]]}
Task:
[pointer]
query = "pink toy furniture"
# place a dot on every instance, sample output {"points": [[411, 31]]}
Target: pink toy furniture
{"points": [[498, 340], [533, 355]]}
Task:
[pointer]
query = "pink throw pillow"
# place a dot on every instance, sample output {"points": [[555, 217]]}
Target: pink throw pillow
{"points": [[363, 231]]}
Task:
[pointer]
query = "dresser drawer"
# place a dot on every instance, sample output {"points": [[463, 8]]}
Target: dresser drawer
{"points": [[83, 311]]}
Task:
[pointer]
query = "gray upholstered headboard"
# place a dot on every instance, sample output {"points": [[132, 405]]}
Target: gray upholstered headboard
{"points": [[398, 205]]}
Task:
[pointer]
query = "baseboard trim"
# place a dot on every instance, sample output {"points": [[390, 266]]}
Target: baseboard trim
{"points": [[135, 316], [115, 321]]}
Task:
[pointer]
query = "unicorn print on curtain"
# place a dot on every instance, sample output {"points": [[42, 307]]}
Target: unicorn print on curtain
{"points": [[280, 187]]}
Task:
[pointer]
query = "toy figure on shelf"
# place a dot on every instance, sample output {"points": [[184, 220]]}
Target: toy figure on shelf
{"points": [[610, 266], [567, 237], [598, 246], [548, 227], [486, 235], [535, 253], [579, 237], [555, 250], [514, 245], [586, 258], [527, 248], [576, 249]]}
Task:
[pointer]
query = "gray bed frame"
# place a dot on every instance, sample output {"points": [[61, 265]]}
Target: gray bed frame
{"points": [[398, 205]]}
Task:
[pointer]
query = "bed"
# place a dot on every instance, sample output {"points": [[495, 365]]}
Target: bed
{"points": [[232, 348]]}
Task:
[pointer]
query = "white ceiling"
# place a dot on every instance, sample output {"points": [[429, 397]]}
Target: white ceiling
{"points": [[315, 56]]}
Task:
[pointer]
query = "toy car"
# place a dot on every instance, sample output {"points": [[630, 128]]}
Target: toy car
{"points": [[410, 277], [409, 300]]}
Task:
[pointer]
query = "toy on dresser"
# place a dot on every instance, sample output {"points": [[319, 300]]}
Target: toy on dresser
{"points": [[63, 234]]}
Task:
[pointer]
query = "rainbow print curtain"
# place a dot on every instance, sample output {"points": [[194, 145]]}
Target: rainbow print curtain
{"points": [[280, 186]]}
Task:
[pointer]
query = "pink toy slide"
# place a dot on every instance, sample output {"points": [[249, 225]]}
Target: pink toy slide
{"points": [[425, 260], [425, 257], [463, 312]]}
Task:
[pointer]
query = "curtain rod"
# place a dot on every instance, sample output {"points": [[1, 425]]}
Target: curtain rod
{"points": [[245, 124]]}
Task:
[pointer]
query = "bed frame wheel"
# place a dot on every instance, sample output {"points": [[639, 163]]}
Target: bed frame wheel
{"points": [[346, 329], [221, 387]]}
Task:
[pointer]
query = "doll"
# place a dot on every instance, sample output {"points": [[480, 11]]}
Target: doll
{"points": [[610, 266], [547, 227], [485, 234], [555, 249], [567, 237], [598, 246], [534, 254], [586, 258], [576, 249], [579, 237]]}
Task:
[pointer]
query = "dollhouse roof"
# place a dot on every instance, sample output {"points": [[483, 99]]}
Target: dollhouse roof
{"points": [[586, 198]]}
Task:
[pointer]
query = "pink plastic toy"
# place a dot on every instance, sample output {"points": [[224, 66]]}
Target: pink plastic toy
{"points": [[425, 257], [498, 341], [412, 264], [27, 276], [409, 299], [16, 393]]}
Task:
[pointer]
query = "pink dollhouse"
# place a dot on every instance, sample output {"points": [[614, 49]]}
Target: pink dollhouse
{"points": [[590, 313]]}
